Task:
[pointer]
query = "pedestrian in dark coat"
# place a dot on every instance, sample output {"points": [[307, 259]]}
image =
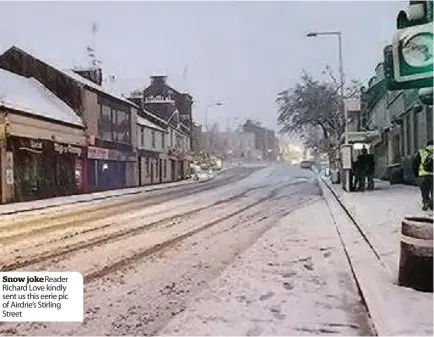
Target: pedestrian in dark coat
{"points": [[363, 168], [423, 169], [370, 162]]}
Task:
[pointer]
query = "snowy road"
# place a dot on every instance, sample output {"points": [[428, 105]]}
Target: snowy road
{"points": [[147, 260]]}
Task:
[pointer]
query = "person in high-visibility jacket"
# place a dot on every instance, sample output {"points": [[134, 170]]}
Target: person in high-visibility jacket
{"points": [[422, 168]]}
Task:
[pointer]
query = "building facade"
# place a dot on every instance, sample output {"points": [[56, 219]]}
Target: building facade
{"points": [[42, 142], [170, 110], [405, 124], [265, 140], [154, 167], [109, 119]]}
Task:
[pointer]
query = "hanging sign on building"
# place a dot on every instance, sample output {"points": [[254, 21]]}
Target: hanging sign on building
{"points": [[9, 176], [97, 153], [61, 149], [37, 145], [9, 160]]}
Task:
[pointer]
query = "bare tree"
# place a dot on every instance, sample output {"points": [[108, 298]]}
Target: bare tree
{"points": [[314, 108]]}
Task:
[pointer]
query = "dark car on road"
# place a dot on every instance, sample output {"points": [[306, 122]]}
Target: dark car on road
{"points": [[306, 164]]}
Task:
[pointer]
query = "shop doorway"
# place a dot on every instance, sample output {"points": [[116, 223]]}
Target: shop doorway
{"points": [[173, 169], [181, 164], [160, 170]]}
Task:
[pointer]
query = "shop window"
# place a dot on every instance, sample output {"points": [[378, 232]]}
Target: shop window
{"points": [[114, 125], [415, 131], [428, 116], [142, 136], [28, 173], [165, 168], [178, 141], [147, 165], [105, 123], [408, 134], [65, 174], [123, 127], [92, 173]]}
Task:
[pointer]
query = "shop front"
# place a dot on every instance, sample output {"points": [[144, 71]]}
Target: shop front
{"points": [[180, 161], [151, 167], [176, 166], [39, 168], [110, 169]]}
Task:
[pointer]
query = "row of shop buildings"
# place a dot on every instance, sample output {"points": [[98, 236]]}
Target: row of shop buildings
{"points": [[62, 133], [403, 124]]}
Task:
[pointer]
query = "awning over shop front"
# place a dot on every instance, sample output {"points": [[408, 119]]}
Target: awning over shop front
{"points": [[368, 137], [148, 153]]}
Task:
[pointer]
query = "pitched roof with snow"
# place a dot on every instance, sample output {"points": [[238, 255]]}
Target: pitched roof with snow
{"points": [[30, 96], [78, 78], [74, 76], [144, 122]]}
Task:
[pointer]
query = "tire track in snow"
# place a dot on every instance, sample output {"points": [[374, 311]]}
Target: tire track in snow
{"points": [[67, 249], [102, 210], [124, 262]]}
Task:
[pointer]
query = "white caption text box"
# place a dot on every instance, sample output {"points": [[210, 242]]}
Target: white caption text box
{"points": [[41, 297]]}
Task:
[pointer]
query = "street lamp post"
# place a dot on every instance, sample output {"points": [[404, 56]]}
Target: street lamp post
{"points": [[346, 181], [341, 76], [206, 123], [206, 112]]}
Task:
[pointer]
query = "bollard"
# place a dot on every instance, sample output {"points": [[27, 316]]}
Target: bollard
{"points": [[416, 258]]}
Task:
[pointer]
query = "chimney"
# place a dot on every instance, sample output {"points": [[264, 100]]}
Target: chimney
{"points": [[93, 75], [158, 80]]}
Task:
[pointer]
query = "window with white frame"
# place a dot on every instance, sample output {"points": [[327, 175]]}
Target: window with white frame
{"points": [[154, 145]]}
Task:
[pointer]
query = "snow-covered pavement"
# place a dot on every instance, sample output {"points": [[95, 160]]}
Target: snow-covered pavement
{"points": [[380, 212], [394, 310]]}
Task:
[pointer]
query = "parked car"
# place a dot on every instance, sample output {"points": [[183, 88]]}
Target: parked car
{"points": [[306, 164], [203, 175]]}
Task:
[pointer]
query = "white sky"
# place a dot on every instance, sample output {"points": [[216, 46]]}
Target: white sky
{"points": [[239, 53]]}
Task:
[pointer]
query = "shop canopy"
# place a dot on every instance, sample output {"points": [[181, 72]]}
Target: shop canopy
{"points": [[367, 137]]}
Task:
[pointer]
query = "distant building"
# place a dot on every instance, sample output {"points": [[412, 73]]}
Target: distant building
{"points": [[353, 108], [171, 110], [265, 140], [238, 145]]}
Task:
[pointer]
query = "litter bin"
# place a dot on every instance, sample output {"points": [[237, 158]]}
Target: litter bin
{"points": [[416, 258]]}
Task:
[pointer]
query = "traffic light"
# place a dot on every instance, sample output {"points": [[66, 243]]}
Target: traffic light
{"points": [[409, 60]]}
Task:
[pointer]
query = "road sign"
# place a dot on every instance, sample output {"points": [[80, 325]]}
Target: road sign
{"points": [[409, 60]]}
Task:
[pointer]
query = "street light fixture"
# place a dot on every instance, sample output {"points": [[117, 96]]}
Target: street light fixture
{"points": [[206, 112], [341, 75]]}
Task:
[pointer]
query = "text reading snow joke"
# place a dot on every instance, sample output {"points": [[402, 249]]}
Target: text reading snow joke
{"points": [[41, 297]]}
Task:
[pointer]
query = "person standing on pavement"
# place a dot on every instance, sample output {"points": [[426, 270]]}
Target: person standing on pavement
{"points": [[363, 168], [370, 162], [423, 169], [356, 175]]}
